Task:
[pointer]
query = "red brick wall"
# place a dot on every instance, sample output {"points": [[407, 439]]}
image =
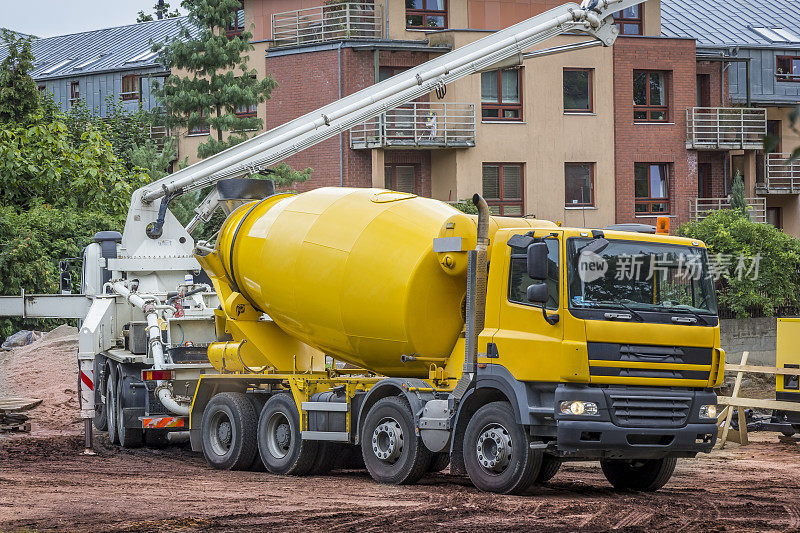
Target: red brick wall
{"points": [[309, 80], [654, 143], [716, 160]]}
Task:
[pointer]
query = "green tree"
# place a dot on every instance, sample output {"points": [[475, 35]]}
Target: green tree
{"points": [[218, 80], [733, 236], [19, 96], [161, 10], [738, 200]]}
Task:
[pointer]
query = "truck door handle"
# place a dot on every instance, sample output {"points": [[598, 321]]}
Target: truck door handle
{"points": [[617, 316], [684, 320]]}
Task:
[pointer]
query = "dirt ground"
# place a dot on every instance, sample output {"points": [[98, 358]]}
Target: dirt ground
{"points": [[46, 484]]}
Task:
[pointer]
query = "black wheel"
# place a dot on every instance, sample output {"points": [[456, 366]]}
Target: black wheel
{"points": [[156, 438], [349, 458], [128, 437], [111, 405], [100, 416], [280, 445], [392, 452], [325, 459], [229, 431], [550, 466], [439, 462], [497, 452], [644, 475]]}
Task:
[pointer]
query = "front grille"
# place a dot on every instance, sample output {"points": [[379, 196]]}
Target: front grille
{"points": [[629, 361], [639, 411]]}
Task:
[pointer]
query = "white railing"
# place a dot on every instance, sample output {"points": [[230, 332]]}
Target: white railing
{"points": [[729, 128], [419, 124], [328, 23], [780, 176], [700, 208]]}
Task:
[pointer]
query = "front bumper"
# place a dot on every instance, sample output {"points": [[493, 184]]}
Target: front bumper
{"points": [[635, 422]]}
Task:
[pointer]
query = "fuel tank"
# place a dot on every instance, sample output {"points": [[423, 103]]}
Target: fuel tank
{"points": [[353, 272]]}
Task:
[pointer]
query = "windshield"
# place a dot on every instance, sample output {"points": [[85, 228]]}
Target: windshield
{"points": [[640, 276]]}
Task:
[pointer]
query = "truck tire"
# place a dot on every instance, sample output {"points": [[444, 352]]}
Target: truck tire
{"points": [[128, 437], [645, 475], [229, 431], [391, 449], [439, 462], [111, 404], [497, 452], [280, 444], [550, 466], [100, 420]]}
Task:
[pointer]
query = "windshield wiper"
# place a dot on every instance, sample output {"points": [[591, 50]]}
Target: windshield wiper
{"points": [[633, 313], [685, 310]]}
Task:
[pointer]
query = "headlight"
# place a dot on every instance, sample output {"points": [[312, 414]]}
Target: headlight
{"points": [[708, 411], [577, 407]]}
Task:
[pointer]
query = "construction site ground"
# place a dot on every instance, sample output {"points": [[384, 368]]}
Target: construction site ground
{"points": [[46, 484]]}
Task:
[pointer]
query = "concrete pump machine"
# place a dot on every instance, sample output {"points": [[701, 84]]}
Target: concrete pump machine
{"points": [[381, 325]]}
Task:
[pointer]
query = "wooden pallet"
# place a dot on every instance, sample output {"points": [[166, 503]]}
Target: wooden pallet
{"points": [[734, 400], [11, 418], [11, 405]]}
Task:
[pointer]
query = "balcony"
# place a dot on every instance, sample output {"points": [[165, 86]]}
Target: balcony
{"points": [[780, 177], [327, 23], [725, 128], [700, 208], [418, 125]]}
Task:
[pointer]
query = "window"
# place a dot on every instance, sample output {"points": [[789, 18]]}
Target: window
{"points": [[579, 184], [41, 88], [650, 96], [236, 24], [629, 21], [787, 68], [200, 127], [384, 73], [501, 95], [426, 14], [651, 184], [774, 217], [130, 87], [502, 188], [518, 280], [247, 111], [578, 90], [777, 35], [74, 92], [400, 178]]}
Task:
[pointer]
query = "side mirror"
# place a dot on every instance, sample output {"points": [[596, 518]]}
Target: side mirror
{"points": [[537, 261], [537, 293]]}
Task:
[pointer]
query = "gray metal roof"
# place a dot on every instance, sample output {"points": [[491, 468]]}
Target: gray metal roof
{"points": [[730, 22], [108, 49]]}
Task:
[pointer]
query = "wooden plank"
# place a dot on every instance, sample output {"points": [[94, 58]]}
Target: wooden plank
{"points": [[753, 403], [764, 370], [736, 386], [18, 404]]}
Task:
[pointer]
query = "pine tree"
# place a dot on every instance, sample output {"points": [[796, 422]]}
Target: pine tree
{"points": [[161, 10], [217, 79], [738, 201], [19, 96]]}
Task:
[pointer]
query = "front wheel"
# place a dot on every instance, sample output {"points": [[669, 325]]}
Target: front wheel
{"points": [[497, 452], [645, 475]]}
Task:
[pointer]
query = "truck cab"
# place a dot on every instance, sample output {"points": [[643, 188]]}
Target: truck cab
{"points": [[613, 350]]}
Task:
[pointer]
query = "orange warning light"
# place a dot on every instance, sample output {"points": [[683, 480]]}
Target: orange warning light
{"points": [[662, 226]]}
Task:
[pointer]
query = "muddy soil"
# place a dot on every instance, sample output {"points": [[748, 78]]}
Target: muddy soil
{"points": [[47, 485]]}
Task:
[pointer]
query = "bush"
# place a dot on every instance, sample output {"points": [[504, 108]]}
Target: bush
{"points": [[730, 235]]}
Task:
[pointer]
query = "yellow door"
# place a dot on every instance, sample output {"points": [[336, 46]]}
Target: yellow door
{"points": [[527, 345]]}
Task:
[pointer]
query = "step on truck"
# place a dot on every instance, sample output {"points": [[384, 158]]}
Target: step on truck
{"points": [[345, 326]]}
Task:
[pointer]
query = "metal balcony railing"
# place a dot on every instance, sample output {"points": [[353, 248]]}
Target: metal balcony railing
{"points": [[420, 125], [781, 177], [328, 23], [700, 208], [725, 128], [160, 134]]}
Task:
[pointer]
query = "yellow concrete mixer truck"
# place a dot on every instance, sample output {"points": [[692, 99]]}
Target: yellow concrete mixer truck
{"points": [[345, 325]]}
